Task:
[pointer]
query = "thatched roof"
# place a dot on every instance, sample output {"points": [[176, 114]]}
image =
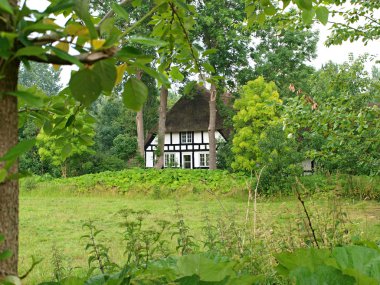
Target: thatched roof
{"points": [[190, 113]]}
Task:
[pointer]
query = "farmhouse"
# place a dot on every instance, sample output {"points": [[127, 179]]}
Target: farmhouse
{"points": [[186, 138]]}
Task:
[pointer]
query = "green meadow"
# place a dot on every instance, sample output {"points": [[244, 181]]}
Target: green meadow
{"points": [[52, 215]]}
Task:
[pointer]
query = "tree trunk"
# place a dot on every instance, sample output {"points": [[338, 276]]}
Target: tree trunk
{"points": [[9, 189], [64, 169], [211, 128], [140, 132], [140, 126], [161, 127]]}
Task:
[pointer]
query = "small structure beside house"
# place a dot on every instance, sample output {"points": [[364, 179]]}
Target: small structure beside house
{"points": [[186, 137]]}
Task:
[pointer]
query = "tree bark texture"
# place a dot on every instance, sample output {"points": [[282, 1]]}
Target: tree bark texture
{"points": [[161, 127], [9, 189], [8, 139], [140, 126], [211, 128]]}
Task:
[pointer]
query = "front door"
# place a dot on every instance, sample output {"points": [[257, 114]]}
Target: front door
{"points": [[186, 161]]}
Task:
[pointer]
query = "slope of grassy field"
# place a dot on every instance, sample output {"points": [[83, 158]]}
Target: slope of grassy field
{"points": [[52, 216]]}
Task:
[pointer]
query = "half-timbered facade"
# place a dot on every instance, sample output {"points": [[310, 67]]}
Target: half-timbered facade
{"points": [[186, 138]]}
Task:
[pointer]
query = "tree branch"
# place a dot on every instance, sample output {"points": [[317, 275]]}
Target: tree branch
{"points": [[46, 39], [86, 58], [187, 37]]}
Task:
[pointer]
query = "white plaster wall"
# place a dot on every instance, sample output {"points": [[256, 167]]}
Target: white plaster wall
{"points": [[167, 139], [197, 137], [175, 138], [149, 159], [218, 136]]}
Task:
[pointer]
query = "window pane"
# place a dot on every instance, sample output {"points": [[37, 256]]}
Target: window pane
{"points": [[189, 140], [183, 137]]}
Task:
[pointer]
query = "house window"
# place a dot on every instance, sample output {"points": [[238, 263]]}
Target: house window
{"points": [[170, 160], [203, 158], [186, 137]]}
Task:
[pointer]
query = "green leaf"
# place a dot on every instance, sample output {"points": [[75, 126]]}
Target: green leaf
{"points": [[176, 74], [65, 56], [60, 6], [360, 262], [322, 274], [107, 73], [271, 10], [48, 127], [120, 11], [208, 67], [305, 4], [70, 121], [31, 50], [86, 140], [134, 94], [285, 3], [85, 86], [148, 41], [29, 98], [82, 9], [210, 51], [4, 6], [307, 16], [322, 14], [66, 150], [153, 73], [189, 87], [3, 175], [18, 150], [41, 27], [128, 52]]}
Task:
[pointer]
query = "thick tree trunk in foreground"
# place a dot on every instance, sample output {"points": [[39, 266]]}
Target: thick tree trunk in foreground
{"points": [[140, 126], [211, 128], [161, 127], [9, 189]]}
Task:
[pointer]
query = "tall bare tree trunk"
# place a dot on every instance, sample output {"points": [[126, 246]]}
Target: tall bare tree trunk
{"points": [[140, 126], [9, 189], [211, 128], [161, 127]]}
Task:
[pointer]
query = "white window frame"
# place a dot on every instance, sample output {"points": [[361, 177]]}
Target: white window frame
{"points": [[186, 137], [204, 159], [170, 160]]}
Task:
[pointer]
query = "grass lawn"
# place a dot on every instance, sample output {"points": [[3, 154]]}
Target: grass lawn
{"points": [[54, 219]]}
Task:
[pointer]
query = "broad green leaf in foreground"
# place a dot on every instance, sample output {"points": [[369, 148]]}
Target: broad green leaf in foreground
{"points": [[4, 6], [134, 94], [106, 71], [85, 86], [18, 149]]}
